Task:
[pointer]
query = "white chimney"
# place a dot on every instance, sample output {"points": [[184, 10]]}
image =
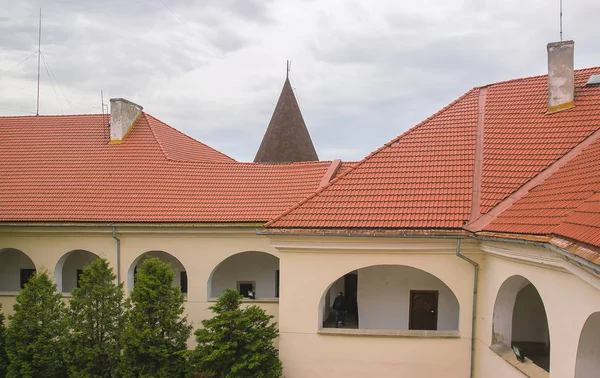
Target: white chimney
{"points": [[123, 114], [561, 80]]}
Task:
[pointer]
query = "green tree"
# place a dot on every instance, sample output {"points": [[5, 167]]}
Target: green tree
{"points": [[237, 342], [3, 357], [155, 334], [94, 323], [35, 333]]}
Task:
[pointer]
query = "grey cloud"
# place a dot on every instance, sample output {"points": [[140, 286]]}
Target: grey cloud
{"points": [[227, 40]]}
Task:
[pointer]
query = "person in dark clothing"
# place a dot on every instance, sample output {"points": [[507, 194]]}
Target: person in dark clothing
{"points": [[339, 306]]}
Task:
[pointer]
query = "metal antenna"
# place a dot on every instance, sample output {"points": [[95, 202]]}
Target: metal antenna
{"points": [[561, 17], [37, 110]]}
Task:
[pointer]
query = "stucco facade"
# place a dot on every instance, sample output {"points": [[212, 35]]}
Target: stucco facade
{"points": [[311, 265]]}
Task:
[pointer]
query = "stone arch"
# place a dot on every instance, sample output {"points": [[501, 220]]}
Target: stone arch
{"points": [[181, 278], [588, 351], [384, 297], [69, 267], [15, 269], [244, 269], [520, 320]]}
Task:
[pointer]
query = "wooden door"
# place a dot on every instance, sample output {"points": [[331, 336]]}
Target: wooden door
{"points": [[423, 310]]}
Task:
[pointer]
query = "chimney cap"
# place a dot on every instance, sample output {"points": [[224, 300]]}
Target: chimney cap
{"points": [[560, 43], [118, 99]]}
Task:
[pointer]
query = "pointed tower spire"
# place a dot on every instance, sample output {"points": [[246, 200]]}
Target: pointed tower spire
{"points": [[287, 139]]}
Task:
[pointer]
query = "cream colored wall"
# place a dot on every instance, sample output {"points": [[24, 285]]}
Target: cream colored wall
{"points": [[568, 297], [199, 250], [314, 355], [310, 264]]}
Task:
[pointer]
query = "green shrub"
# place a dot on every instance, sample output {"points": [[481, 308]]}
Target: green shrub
{"points": [[35, 333], [237, 342]]}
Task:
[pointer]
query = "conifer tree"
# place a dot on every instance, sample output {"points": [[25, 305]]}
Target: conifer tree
{"points": [[155, 334], [94, 323], [3, 357], [35, 333], [237, 342]]}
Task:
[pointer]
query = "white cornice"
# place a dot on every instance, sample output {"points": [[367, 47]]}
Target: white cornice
{"points": [[526, 254], [324, 244]]}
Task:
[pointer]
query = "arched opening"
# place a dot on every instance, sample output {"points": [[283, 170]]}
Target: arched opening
{"points": [[520, 321], [392, 297], [181, 278], [253, 274], [69, 268], [588, 351], [15, 269]]}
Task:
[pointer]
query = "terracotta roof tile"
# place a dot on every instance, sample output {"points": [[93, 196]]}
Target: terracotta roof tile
{"points": [[422, 179], [521, 139], [60, 168], [566, 204]]}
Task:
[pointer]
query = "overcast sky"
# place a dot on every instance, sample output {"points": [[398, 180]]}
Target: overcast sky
{"points": [[363, 71]]}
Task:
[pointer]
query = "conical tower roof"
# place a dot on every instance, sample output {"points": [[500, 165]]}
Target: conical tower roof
{"points": [[287, 139]]}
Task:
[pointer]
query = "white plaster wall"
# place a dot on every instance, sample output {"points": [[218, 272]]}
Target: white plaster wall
{"points": [[568, 300], [11, 263], [384, 297], [75, 260], [588, 351], [529, 322], [247, 266]]}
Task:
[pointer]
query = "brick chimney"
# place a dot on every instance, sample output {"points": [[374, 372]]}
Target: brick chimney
{"points": [[561, 80], [123, 114]]}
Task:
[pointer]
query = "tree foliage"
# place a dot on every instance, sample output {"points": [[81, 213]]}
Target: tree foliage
{"points": [[94, 323], [35, 333], [3, 357], [237, 342], [155, 335]]}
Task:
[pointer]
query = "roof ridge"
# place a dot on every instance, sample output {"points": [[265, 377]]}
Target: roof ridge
{"points": [[369, 156], [534, 77], [486, 219], [185, 135], [52, 115], [162, 149]]}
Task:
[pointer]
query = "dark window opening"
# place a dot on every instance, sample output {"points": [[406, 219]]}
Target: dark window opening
{"points": [[26, 274], [79, 273], [277, 284], [184, 282], [246, 289]]}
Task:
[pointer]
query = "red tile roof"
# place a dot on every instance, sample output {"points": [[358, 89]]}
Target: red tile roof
{"points": [[421, 179], [521, 139], [60, 168], [178, 146], [424, 178], [565, 204]]}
